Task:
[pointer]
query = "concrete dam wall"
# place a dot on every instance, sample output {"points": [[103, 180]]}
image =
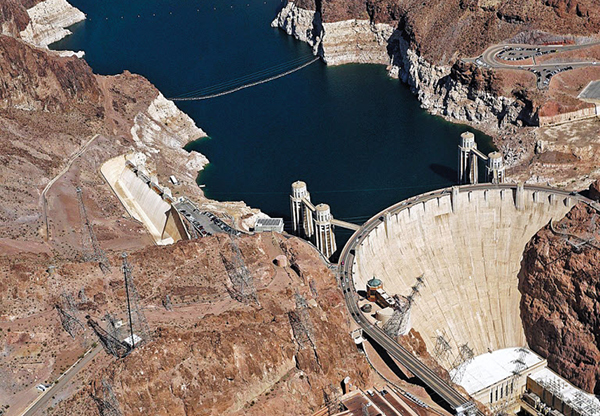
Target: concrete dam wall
{"points": [[468, 246], [144, 200]]}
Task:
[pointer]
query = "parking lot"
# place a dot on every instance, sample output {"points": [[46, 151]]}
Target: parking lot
{"points": [[204, 223]]}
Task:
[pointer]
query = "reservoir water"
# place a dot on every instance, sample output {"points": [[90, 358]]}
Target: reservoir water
{"points": [[358, 138]]}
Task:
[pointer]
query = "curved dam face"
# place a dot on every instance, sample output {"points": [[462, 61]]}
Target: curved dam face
{"points": [[467, 244]]}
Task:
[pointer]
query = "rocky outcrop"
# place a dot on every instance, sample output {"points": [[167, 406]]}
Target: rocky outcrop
{"points": [[459, 92], [560, 299], [49, 21], [423, 41], [32, 79], [337, 42], [163, 124], [462, 92], [13, 18], [213, 355]]}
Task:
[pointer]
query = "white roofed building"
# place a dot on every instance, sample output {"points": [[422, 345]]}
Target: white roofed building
{"points": [[497, 379]]}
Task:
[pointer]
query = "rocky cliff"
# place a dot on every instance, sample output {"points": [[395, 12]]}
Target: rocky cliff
{"points": [[210, 354], [561, 296], [13, 18], [49, 20], [422, 42], [34, 80]]}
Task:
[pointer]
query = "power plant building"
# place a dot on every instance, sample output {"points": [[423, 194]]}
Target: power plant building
{"points": [[497, 379]]}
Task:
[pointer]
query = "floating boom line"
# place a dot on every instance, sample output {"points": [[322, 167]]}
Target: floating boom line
{"points": [[251, 84], [255, 76]]}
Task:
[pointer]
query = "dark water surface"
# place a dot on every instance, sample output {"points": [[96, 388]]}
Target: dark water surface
{"points": [[358, 138]]}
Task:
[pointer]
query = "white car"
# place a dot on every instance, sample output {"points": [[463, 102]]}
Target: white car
{"points": [[41, 387]]}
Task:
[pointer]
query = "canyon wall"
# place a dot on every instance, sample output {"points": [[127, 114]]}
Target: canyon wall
{"points": [[49, 20], [213, 355], [459, 92], [560, 296], [422, 43]]}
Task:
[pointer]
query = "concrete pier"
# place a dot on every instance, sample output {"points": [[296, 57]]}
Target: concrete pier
{"points": [[144, 199]]}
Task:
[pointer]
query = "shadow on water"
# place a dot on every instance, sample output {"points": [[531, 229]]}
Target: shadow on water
{"points": [[389, 361], [444, 172]]}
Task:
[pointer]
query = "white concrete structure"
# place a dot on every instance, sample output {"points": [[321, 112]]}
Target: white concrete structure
{"points": [[324, 237], [264, 225], [469, 245], [384, 315], [467, 160], [302, 222], [497, 379], [495, 168], [144, 200]]}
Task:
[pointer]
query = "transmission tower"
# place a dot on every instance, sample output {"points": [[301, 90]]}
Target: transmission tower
{"points": [[167, 303], [313, 288], [519, 362], [111, 344], [242, 284], [414, 290], [108, 405], [332, 400], [137, 320], [442, 348], [111, 326], [301, 323], [465, 356], [398, 322], [82, 297], [90, 247], [67, 310]]}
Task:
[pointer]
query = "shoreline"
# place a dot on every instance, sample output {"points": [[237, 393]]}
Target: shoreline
{"points": [[449, 91]]}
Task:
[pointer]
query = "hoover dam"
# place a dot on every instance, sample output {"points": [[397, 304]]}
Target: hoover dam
{"points": [[467, 245], [447, 262]]}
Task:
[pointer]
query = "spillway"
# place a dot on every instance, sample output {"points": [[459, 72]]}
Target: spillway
{"points": [[468, 246]]}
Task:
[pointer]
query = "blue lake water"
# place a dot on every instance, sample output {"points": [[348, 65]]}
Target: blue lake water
{"points": [[358, 138]]}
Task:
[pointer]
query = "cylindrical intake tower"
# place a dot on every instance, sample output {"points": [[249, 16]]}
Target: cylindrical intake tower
{"points": [[495, 168], [302, 222], [467, 160], [324, 237]]}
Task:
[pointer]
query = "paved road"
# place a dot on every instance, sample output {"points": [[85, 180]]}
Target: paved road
{"points": [[42, 402], [517, 52], [446, 391]]}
